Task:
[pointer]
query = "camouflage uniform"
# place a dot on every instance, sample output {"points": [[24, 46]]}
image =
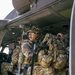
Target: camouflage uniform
{"points": [[38, 70], [25, 56], [59, 53], [5, 67]]}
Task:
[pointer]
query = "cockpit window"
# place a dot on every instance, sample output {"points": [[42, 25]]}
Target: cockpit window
{"points": [[6, 50], [0, 49]]}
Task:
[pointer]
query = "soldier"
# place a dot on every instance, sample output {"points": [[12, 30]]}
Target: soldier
{"points": [[5, 67], [61, 36], [43, 67], [61, 63], [56, 57], [28, 46]]}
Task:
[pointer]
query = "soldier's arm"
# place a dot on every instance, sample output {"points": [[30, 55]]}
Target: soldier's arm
{"points": [[26, 49], [27, 52], [15, 55], [21, 58]]}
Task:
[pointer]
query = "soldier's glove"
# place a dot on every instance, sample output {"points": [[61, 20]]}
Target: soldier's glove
{"points": [[41, 47], [12, 63]]}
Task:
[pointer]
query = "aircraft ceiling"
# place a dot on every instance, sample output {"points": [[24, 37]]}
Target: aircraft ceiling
{"points": [[50, 13]]}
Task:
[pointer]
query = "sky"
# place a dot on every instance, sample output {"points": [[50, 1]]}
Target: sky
{"points": [[5, 8]]}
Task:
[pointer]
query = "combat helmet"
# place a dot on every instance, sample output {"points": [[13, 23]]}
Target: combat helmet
{"points": [[34, 30], [37, 31]]}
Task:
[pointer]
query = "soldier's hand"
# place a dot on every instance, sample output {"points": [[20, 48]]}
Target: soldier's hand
{"points": [[21, 58], [42, 46], [29, 58]]}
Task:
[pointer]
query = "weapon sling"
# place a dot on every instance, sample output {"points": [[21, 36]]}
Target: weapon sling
{"points": [[33, 59]]}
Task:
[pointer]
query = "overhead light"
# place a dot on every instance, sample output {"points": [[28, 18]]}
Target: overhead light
{"points": [[7, 45], [13, 32], [21, 26]]}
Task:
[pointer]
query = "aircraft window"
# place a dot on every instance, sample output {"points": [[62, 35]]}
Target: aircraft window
{"points": [[6, 50], [0, 49]]}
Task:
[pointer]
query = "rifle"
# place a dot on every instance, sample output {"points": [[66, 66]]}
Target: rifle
{"points": [[33, 59], [19, 69], [19, 65]]}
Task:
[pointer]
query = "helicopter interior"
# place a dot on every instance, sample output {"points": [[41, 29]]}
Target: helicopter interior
{"points": [[50, 17]]}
